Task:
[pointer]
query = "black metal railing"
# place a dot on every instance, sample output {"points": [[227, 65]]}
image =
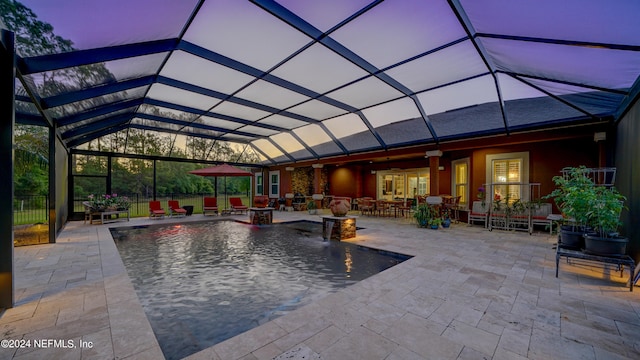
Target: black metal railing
{"points": [[30, 209], [140, 203]]}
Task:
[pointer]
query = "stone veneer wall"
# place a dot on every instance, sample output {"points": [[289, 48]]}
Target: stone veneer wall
{"points": [[302, 180], [342, 228]]}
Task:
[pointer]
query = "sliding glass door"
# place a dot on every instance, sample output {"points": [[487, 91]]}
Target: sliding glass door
{"points": [[402, 184]]}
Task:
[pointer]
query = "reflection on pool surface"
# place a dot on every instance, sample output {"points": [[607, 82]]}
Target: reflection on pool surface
{"points": [[202, 283]]}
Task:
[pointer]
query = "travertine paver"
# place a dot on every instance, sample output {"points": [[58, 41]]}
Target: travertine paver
{"points": [[466, 294]]}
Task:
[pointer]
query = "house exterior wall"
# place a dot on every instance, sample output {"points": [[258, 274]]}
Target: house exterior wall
{"points": [[546, 159], [627, 155], [343, 181]]}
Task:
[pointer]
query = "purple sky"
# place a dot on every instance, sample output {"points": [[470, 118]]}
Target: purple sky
{"points": [[101, 23]]}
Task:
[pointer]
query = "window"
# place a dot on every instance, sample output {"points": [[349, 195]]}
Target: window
{"points": [[512, 170], [259, 184], [274, 184], [508, 172], [460, 181]]}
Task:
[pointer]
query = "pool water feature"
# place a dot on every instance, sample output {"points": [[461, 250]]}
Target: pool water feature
{"points": [[202, 283]]}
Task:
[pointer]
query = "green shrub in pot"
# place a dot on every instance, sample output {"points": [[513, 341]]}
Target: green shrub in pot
{"points": [[604, 220], [574, 195]]}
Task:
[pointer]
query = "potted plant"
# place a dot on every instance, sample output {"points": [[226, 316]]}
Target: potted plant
{"points": [[604, 219], [422, 215], [122, 202], [446, 218], [426, 215], [435, 222], [574, 196], [312, 208]]}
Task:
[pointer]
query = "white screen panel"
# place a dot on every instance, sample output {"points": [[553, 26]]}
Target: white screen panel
{"points": [[370, 91], [211, 121], [558, 88], [239, 111], [96, 119], [397, 30], [472, 92], [267, 147], [134, 67], [181, 97], [95, 24], [157, 124], [326, 13], [197, 130], [613, 22], [316, 110], [391, 112], [345, 125], [319, 69], [513, 89], [244, 32], [269, 94], [204, 73], [456, 62], [614, 69], [282, 121], [179, 145], [257, 130], [312, 135], [90, 104], [287, 142], [118, 69], [236, 137], [166, 112]]}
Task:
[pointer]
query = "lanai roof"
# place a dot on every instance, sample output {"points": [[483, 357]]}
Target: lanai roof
{"points": [[299, 80]]}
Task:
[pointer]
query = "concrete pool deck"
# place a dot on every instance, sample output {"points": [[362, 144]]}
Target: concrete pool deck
{"points": [[466, 294]]}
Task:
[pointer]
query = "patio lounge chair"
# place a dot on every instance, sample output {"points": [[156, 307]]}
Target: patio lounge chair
{"points": [[478, 212], [175, 209], [237, 205], [155, 210], [540, 216], [209, 205]]}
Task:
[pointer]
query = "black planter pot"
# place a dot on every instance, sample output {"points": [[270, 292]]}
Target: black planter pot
{"points": [[572, 237], [609, 246]]}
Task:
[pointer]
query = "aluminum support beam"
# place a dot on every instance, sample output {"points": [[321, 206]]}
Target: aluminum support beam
{"points": [[7, 121]]}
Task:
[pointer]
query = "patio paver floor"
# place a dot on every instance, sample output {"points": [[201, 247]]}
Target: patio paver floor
{"points": [[466, 294]]}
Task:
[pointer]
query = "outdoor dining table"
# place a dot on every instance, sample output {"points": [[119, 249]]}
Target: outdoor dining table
{"points": [[395, 205], [382, 206]]}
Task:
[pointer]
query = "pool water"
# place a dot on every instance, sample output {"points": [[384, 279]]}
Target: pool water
{"points": [[202, 283]]}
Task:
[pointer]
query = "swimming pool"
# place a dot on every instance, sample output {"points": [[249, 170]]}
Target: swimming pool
{"points": [[202, 283]]}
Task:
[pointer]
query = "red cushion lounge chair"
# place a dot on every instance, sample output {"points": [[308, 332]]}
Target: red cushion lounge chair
{"points": [[237, 205], [209, 205], [175, 209], [156, 210]]}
